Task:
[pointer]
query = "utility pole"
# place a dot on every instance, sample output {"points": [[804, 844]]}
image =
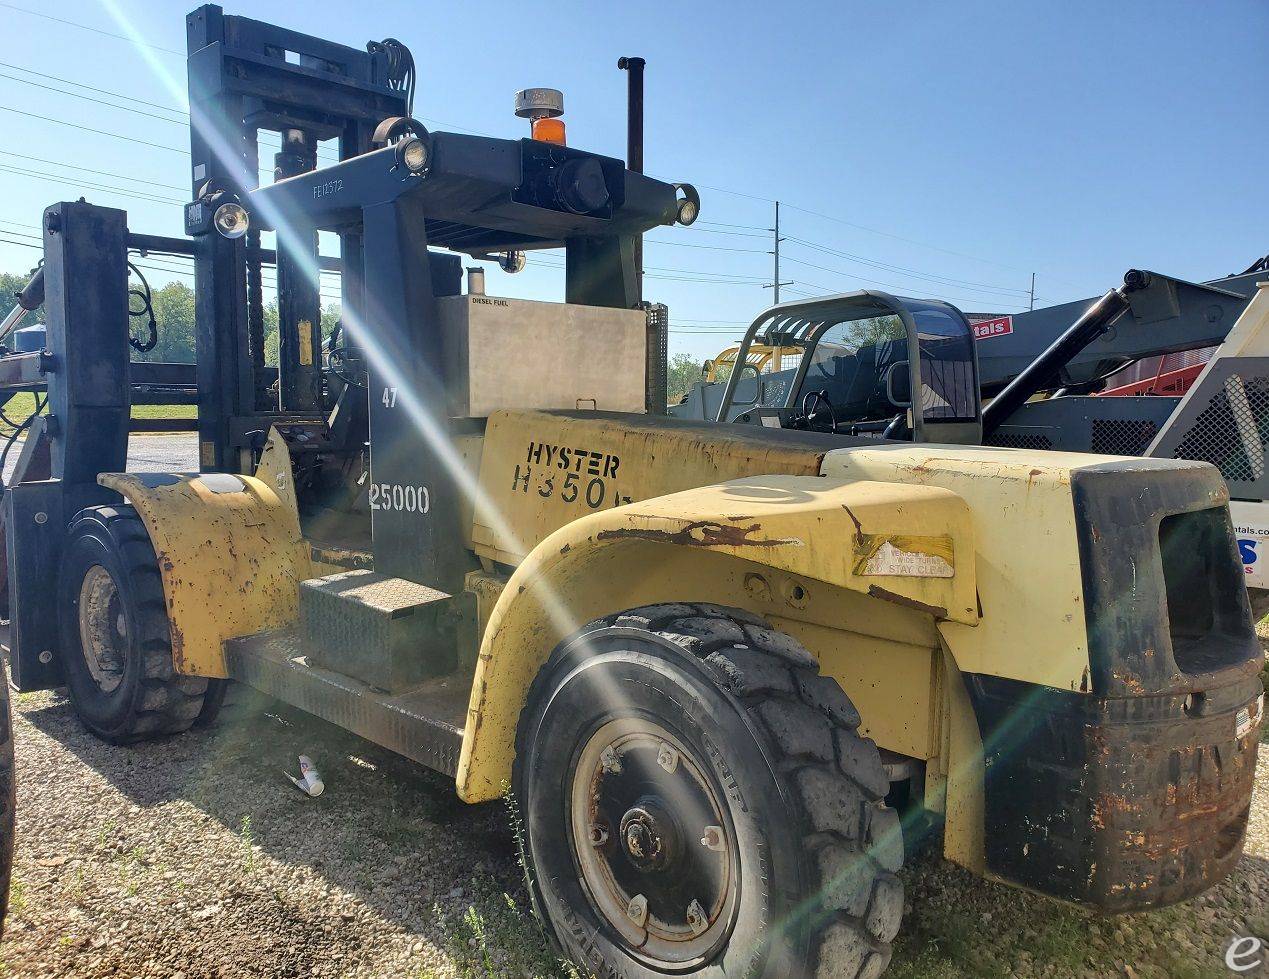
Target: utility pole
{"points": [[1032, 306], [775, 282]]}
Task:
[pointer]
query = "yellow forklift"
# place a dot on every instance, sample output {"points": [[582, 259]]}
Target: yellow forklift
{"points": [[700, 656]]}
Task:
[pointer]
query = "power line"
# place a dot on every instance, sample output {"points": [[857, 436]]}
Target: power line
{"points": [[327, 155], [682, 275], [104, 132], [715, 248], [889, 285], [89, 129], [102, 173], [734, 234], [24, 244], [860, 227], [910, 241], [724, 190], [93, 88], [81, 184], [89, 98], [724, 224], [95, 30], [985, 287]]}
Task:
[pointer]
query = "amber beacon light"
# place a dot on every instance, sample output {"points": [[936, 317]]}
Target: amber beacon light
{"points": [[542, 107]]}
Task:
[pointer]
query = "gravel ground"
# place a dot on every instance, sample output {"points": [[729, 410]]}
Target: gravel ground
{"points": [[177, 452], [194, 857]]}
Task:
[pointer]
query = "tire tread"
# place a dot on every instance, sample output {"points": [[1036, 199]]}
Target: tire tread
{"points": [[851, 840], [168, 702]]}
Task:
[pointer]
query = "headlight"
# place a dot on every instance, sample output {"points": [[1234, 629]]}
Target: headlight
{"points": [[413, 153], [231, 220], [689, 205]]}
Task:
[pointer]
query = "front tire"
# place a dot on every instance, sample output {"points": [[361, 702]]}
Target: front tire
{"points": [[696, 800], [116, 643]]}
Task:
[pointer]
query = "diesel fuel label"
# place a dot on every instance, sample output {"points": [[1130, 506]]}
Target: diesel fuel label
{"points": [[573, 473]]}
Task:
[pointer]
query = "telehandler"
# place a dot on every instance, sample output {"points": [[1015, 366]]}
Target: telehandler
{"points": [[700, 656]]}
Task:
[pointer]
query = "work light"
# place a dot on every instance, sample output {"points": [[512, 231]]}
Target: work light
{"points": [[689, 205], [231, 220], [413, 153]]}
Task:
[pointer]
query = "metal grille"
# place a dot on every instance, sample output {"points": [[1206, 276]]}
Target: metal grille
{"points": [[774, 391], [1019, 440], [1231, 431], [1122, 436], [656, 372]]}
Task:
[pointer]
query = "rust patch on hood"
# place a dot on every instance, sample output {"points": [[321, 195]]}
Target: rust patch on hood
{"points": [[701, 533]]}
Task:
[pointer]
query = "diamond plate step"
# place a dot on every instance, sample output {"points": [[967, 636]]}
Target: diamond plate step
{"points": [[387, 632], [424, 722]]}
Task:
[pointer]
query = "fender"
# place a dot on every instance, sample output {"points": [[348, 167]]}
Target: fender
{"points": [[793, 547], [230, 553]]}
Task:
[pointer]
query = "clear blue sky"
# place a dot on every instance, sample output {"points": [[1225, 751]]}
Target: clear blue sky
{"points": [[971, 143]]}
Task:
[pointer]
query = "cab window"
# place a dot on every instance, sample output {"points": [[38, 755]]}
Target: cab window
{"points": [[849, 363], [949, 388]]}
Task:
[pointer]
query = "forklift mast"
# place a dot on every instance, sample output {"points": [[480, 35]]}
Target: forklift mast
{"points": [[246, 76]]}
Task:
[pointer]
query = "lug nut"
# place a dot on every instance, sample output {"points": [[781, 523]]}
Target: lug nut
{"points": [[667, 758], [713, 838], [598, 835], [696, 917], [637, 909]]}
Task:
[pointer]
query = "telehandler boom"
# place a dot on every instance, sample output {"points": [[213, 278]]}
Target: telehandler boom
{"points": [[704, 658]]}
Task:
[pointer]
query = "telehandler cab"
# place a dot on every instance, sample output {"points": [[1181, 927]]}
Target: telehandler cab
{"points": [[701, 656]]}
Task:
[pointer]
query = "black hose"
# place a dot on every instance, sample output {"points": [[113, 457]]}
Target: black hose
{"points": [[401, 71], [147, 310], [18, 430]]}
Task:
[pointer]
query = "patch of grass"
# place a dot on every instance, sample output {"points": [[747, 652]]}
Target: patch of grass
{"points": [[495, 936], [107, 832], [17, 895], [19, 408], [1063, 941], [247, 841], [947, 942]]}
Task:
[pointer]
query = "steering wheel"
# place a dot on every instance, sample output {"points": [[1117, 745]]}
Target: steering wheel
{"points": [[810, 400], [898, 428]]}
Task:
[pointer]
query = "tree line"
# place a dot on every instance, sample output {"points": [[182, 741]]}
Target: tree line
{"points": [[174, 314]]}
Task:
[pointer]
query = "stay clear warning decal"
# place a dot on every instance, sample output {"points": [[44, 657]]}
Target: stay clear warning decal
{"points": [[890, 560], [998, 327]]}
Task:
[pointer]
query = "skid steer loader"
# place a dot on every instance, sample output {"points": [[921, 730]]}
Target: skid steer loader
{"points": [[701, 656]]}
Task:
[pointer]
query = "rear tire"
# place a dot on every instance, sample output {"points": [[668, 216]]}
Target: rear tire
{"points": [[654, 721], [116, 643]]}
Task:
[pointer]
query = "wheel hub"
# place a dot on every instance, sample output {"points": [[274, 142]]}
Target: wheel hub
{"points": [[103, 628], [650, 838], [653, 843]]}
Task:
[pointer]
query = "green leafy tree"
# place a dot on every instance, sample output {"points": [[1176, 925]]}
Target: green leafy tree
{"points": [[10, 285], [330, 316], [174, 314], [684, 371]]}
